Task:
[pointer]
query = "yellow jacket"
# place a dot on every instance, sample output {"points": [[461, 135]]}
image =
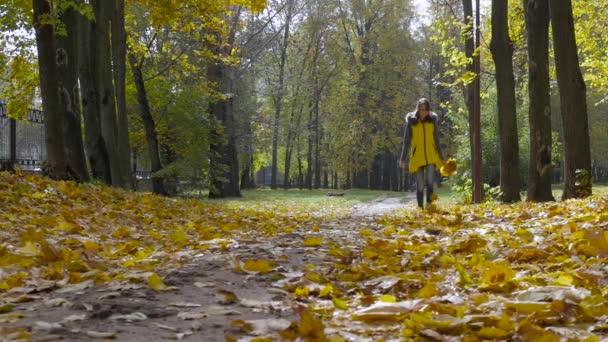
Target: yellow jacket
{"points": [[421, 140]]}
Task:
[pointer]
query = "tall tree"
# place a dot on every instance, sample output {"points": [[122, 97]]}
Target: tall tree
{"points": [[67, 66], [104, 12], [224, 168], [573, 102], [58, 86], [279, 94], [502, 52], [149, 124], [469, 49], [57, 163], [119, 68], [536, 14]]}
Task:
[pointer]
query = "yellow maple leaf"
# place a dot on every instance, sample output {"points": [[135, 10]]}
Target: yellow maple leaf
{"points": [[260, 266], [429, 290], [156, 283], [388, 299], [326, 291], [312, 241], [339, 304]]}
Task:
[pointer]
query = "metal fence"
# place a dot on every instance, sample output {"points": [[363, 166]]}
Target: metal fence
{"points": [[22, 142]]}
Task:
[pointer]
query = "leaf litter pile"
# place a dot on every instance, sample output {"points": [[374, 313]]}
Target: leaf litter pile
{"points": [[85, 262]]}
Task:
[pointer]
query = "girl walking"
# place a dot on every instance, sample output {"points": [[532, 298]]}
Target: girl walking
{"points": [[421, 141]]}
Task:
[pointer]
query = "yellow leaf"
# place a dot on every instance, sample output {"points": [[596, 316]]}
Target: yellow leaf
{"points": [[564, 279], [388, 299], [29, 249], [338, 303], [156, 283], [448, 168], [598, 239], [49, 252], [326, 291], [531, 332], [366, 232], [524, 234], [260, 266], [179, 238], [243, 325], [312, 241], [428, 291], [311, 328], [301, 292], [497, 273], [492, 333], [527, 307]]}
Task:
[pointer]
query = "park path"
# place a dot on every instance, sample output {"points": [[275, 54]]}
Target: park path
{"points": [[206, 301], [383, 205]]}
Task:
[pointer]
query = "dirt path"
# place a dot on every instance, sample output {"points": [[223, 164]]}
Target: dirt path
{"points": [[207, 300], [382, 205]]}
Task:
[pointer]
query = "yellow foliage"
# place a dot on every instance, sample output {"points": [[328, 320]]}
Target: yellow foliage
{"points": [[428, 291], [311, 329], [156, 283], [260, 266], [339, 304], [448, 168], [312, 241]]}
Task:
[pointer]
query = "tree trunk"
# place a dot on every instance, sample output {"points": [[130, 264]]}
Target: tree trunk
{"points": [[317, 137], [119, 66], [309, 154], [149, 125], [96, 151], [57, 162], [279, 97], [224, 165], [67, 66], [105, 87], [469, 49], [573, 102], [502, 52], [539, 173]]}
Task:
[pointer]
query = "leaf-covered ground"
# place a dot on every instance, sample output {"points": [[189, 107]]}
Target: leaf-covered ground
{"points": [[86, 262]]}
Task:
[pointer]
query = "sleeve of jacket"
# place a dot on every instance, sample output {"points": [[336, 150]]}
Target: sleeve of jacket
{"points": [[407, 139], [437, 142]]}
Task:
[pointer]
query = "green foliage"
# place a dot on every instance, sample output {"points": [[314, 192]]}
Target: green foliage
{"points": [[583, 183], [462, 186]]}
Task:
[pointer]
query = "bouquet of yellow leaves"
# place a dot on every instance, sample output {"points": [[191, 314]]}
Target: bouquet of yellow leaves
{"points": [[448, 168]]}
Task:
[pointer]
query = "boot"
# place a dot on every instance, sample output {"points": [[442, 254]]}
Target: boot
{"points": [[429, 196], [420, 198]]}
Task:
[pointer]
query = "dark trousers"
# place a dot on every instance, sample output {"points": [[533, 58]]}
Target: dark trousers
{"points": [[421, 180]]}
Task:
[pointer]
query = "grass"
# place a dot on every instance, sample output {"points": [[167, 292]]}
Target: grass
{"points": [[318, 203], [304, 202]]}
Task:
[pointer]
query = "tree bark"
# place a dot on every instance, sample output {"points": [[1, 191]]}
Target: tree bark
{"points": [[536, 14], [309, 154], [224, 170], [119, 66], [67, 66], [573, 102], [95, 146], [279, 97], [57, 166], [469, 49], [224, 166], [105, 87], [149, 125], [502, 52]]}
